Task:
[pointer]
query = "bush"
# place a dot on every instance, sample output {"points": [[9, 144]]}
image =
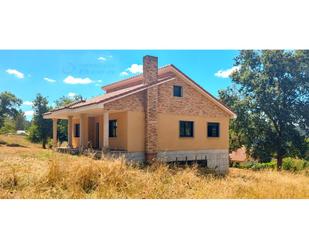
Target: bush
{"points": [[294, 164], [289, 163], [34, 135], [2, 142], [49, 143], [257, 166], [8, 127]]}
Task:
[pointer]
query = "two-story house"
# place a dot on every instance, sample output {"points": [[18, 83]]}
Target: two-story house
{"points": [[160, 114]]}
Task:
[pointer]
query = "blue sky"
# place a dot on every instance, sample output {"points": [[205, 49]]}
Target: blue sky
{"points": [[55, 73]]}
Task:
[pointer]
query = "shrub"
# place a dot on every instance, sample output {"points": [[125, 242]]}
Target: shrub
{"points": [[2, 142], [8, 127], [258, 166], [34, 135], [289, 163], [294, 164], [49, 143]]}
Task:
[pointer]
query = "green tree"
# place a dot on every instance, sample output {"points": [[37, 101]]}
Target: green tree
{"points": [[8, 126], [271, 98], [20, 121], [8, 106], [62, 124], [43, 127], [34, 134]]}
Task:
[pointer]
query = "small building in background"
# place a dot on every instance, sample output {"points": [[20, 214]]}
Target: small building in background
{"points": [[239, 155], [21, 132]]}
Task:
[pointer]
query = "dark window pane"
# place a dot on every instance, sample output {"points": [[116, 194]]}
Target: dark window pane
{"points": [[185, 128], [113, 128], [177, 91], [213, 130], [77, 130]]}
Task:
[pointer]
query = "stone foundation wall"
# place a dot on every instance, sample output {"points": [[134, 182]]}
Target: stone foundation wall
{"points": [[217, 160]]}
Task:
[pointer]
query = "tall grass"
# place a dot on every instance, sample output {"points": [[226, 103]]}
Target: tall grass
{"points": [[35, 173]]}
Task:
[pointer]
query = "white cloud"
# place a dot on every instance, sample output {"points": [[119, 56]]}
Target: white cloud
{"points": [[29, 113], [29, 103], [72, 80], [16, 73], [49, 80], [101, 58], [133, 69], [227, 73], [105, 58], [124, 73], [71, 95]]}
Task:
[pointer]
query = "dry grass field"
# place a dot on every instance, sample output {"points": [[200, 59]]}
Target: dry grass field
{"points": [[27, 171]]}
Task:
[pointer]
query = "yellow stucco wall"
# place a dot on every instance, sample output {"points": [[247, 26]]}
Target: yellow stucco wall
{"points": [[131, 132], [92, 134], [119, 142], [91, 131], [136, 134], [84, 133], [99, 119], [168, 133]]}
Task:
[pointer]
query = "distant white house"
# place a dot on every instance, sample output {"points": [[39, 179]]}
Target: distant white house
{"points": [[21, 132]]}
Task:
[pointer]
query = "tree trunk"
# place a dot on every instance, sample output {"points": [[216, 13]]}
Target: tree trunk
{"points": [[44, 144], [279, 162]]}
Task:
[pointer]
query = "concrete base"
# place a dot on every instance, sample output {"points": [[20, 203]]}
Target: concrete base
{"points": [[149, 157], [217, 160], [130, 156]]}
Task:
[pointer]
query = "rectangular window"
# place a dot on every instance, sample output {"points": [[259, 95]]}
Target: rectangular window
{"points": [[213, 129], [177, 91], [77, 130], [186, 128], [113, 128]]}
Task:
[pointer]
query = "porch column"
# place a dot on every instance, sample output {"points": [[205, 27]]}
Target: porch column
{"points": [[54, 133], [70, 131], [81, 131], [106, 129]]}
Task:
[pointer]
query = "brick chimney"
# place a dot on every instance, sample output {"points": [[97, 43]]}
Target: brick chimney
{"points": [[150, 73], [150, 69]]}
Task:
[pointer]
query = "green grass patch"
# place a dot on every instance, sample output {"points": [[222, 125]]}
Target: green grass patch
{"points": [[289, 163]]}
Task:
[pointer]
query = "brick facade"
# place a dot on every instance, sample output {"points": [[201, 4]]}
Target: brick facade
{"points": [[191, 103], [151, 123], [150, 73], [134, 102], [150, 70], [159, 99]]}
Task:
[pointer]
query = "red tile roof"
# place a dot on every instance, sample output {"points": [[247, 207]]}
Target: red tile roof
{"points": [[133, 80], [132, 85]]}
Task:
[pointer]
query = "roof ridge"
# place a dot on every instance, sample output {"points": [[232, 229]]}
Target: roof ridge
{"points": [[134, 76]]}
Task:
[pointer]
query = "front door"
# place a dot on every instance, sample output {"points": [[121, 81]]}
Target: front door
{"points": [[97, 135]]}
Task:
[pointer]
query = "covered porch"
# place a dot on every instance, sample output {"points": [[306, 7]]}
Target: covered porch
{"points": [[99, 130]]}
